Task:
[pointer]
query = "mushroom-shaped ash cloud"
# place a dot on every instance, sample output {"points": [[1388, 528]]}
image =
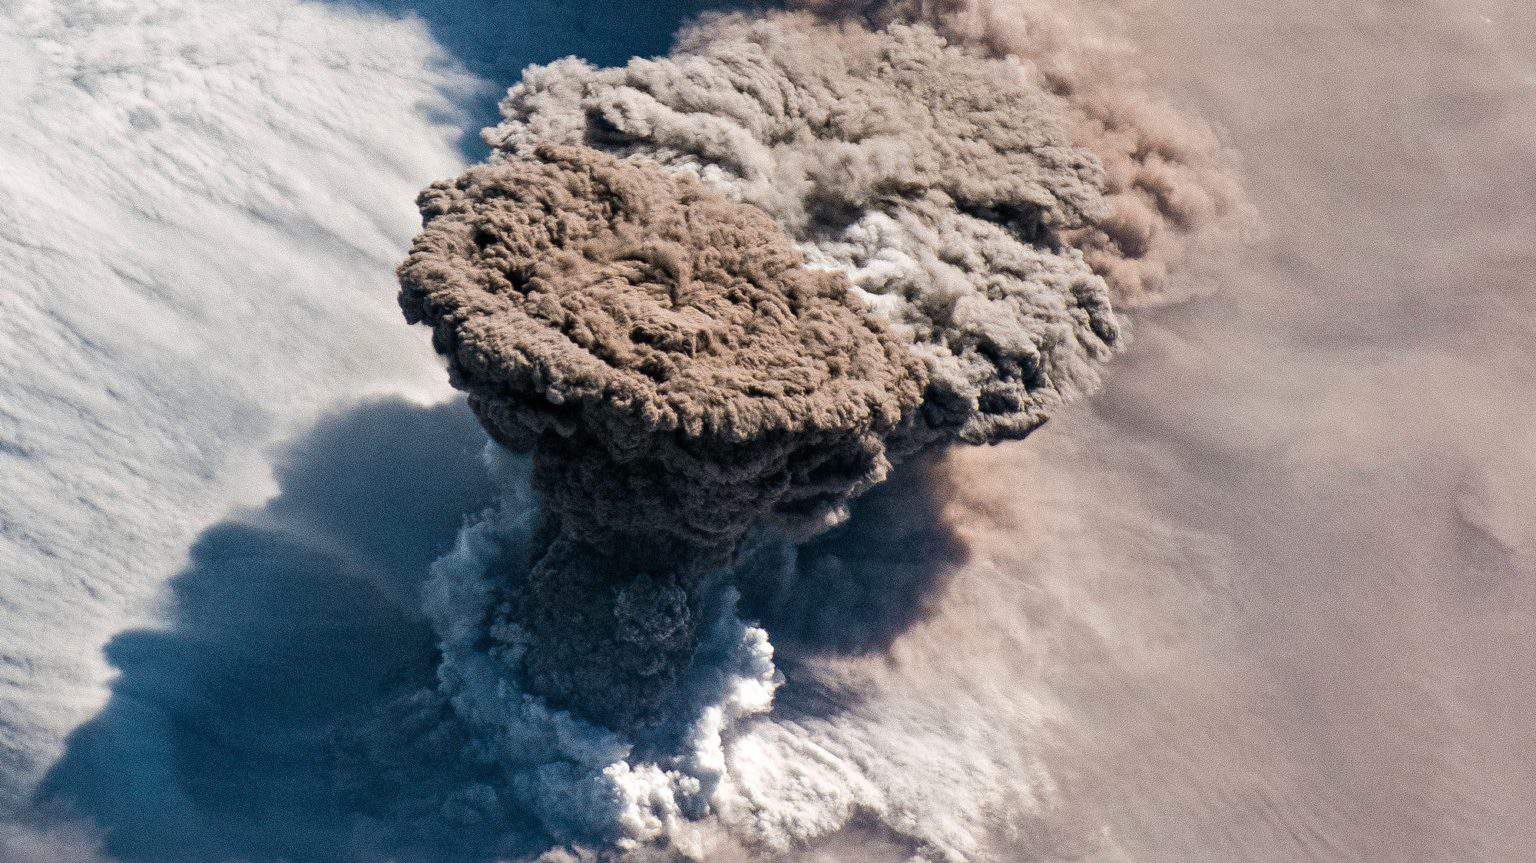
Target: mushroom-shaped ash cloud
{"points": [[724, 290], [677, 373], [716, 295]]}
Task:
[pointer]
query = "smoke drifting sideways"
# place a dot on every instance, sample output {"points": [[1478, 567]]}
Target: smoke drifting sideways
{"points": [[1175, 205], [716, 296]]}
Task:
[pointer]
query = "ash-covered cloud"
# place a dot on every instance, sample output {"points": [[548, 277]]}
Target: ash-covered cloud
{"points": [[646, 323], [941, 182], [728, 288], [1170, 190], [1234, 608], [677, 373], [718, 295]]}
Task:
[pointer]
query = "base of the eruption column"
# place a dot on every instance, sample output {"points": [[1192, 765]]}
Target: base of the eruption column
{"points": [[604, 634]]}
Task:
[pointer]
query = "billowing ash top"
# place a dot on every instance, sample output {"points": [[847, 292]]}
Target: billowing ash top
{"points": [[941, 182], [649, 318]]}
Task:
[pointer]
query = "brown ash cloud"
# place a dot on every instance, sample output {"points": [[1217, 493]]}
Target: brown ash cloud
{"points": [[718, 294], [942, 182], [677, 373]]}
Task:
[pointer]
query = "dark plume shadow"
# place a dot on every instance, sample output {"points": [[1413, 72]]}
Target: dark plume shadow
{"points": [[497, 39], [853, 590], [213, 744]]}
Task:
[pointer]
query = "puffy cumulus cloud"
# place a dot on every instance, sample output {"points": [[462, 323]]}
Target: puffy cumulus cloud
{"points": [[593, 791], [939, 181], [836, 753], [1173, 200]]}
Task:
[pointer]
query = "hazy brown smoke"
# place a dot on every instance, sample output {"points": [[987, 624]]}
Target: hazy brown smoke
{"points": [[676, 371], [1273, 585], [1171, 190]]}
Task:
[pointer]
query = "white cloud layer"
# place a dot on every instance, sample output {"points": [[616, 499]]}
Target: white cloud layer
{"points": [[201, 205]]}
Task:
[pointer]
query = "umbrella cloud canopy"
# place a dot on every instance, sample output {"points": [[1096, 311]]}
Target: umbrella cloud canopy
{"points": [[670, 344], [678, 374]]}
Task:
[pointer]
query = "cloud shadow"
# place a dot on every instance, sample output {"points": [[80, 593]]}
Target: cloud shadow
{"points": [[287, 708], [215, 741], [853, 590]]}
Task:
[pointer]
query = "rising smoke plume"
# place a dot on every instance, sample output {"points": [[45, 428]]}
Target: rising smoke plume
{"points": [[681, 370], [1235, 608], [678, 372], [716, 296]]}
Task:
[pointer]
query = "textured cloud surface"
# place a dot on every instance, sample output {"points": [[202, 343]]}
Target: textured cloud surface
{"points": [[575, 294], [716, 295], [189, 266], [620, 292], [1266, 596], [939, 181], [1088, 685], [678, 374], [1172, 197]]}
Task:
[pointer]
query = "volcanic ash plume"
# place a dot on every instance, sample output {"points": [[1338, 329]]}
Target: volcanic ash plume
{"points": [[787, 264], [939, 181], [716, 296], [678, 374]]}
